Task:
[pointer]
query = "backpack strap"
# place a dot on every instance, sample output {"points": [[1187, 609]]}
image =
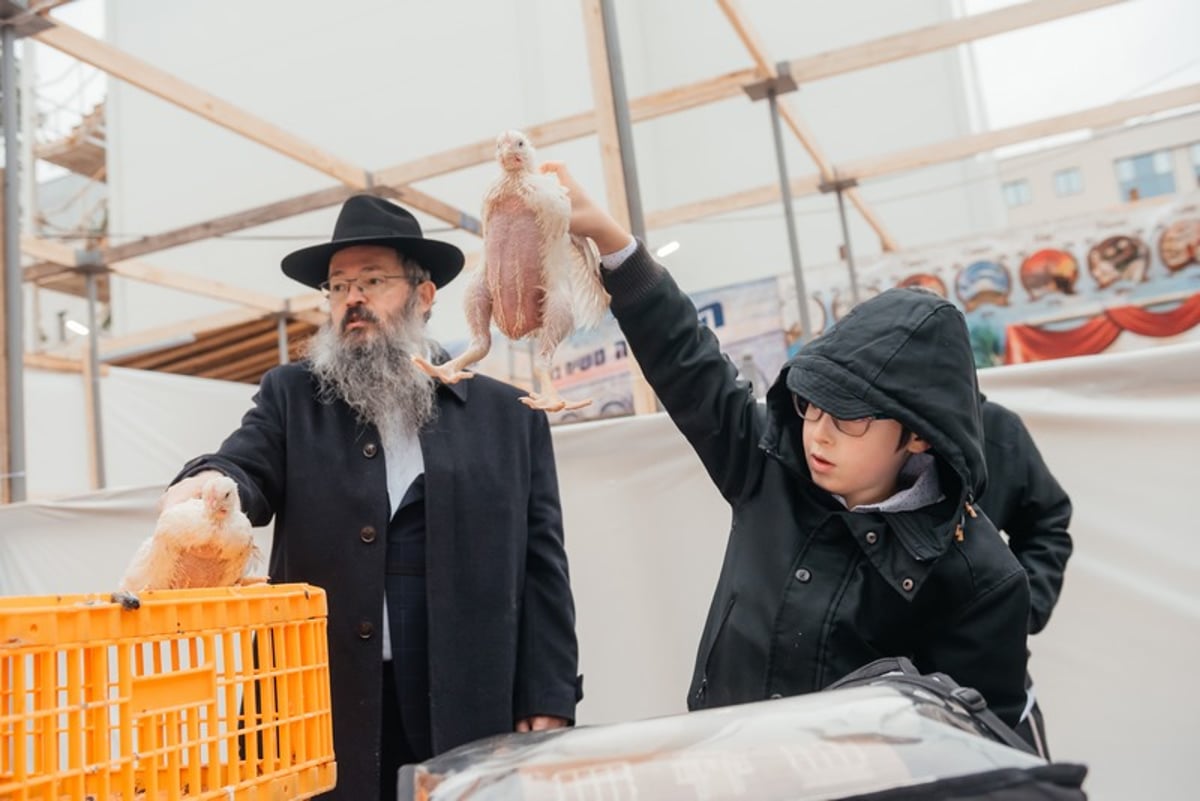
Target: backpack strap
{"points": [[901, 670]]}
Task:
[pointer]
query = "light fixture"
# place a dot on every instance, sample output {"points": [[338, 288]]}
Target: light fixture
{"points": [[667, 249], [77, 328]]}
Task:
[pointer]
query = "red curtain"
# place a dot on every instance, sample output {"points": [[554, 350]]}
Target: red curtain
{"points": [[1026, 343]]}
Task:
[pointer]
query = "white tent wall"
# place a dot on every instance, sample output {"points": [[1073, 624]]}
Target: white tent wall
{"points": [[152, 423], [646, 533]]}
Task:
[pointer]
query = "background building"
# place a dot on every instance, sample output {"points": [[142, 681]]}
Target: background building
{"points": [[1154, 158]]}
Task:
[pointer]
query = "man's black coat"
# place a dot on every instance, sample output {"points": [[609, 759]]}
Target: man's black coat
{"points": [[501, 617]]}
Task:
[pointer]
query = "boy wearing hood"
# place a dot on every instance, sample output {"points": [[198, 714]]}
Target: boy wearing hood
{"points": [[854, 532]]}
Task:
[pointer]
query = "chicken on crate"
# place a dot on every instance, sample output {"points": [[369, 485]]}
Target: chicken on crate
{"points": [[201, 542], [217, 693]]}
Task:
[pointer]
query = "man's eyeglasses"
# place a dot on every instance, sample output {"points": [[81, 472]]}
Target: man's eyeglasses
{"points": [[371, 286], [851, 428]]}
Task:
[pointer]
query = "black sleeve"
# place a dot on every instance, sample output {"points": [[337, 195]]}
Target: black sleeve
{"points": [[254, 454], [683, 362], [1037, 530], [547, 652], [1024, 499]]}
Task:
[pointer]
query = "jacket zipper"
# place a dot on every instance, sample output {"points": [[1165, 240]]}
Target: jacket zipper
{"points": [[702, 690], [958, 530]]}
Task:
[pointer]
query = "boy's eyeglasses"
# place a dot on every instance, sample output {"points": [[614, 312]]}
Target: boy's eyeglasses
{"points": [[370, 286], [851, 428]]}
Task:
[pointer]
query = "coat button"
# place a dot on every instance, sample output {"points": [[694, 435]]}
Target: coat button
{"points": [[369, 450], [907, 584], [872, 538], [803, 575], [367, 534], [366, 629]]}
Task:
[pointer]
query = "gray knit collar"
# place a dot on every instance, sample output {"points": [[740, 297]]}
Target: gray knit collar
{"points": [[921, 487]]}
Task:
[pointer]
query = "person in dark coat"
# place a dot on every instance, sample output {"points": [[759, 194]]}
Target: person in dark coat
{"points": [[1025, 501], [430, 514], [854, 533]]}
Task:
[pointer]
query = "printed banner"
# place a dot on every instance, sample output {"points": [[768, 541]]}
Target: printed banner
{"points": [[1066, 288]]}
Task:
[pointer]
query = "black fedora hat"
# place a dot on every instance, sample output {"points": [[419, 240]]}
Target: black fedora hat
{"points": [[371, 220]]}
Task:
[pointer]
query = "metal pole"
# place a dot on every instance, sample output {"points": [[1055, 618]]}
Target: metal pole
{"points": [[846, 244], [616, 77], [281, 327], [785, 189], [94, 364], [14, 341]]}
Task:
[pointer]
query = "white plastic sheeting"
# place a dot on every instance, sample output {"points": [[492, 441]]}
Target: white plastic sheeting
{"points": [[646, 533], [152, 424]]}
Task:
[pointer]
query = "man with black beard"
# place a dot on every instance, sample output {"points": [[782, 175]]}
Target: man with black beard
{"points": [[429, 513]]}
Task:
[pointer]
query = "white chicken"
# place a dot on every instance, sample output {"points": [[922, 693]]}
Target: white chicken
{"points": [[201, 542], [536, 278]]}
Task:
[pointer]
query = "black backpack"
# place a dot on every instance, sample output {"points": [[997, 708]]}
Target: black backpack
{"points": [[883, 733], [1047, 782]]}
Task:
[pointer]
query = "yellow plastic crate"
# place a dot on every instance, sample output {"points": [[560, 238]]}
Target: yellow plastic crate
{"points": [[200, 694]]}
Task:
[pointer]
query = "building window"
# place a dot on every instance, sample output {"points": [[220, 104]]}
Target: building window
{"points": [[1147, 175], [1068, 182], [1195, 150], [1016, 193]]}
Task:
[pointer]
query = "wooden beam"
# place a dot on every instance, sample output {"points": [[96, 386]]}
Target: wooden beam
{"points": [[149, 274], [157, 82], [158, 359], [749, 38], [43, 270], [305, 302], [885, 239], [393, 178], [800, 129], [279, 210], [606, 117], [967, 146], [230, 223], [650, 106], [564, 129], [932, 38], [231, 352], [711, 207], [262, 361], [433, 207], [47, 250], [940, 153], [74, 282], [174, 331], [58, 364], [612, 162], [251, 371], [312, 317]]}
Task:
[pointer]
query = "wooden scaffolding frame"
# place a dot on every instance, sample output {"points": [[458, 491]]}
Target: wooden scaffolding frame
{"points": [[257, 316]]}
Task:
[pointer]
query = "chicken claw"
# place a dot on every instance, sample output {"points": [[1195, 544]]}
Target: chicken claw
{"points": [[552, 402], [447, 373]]}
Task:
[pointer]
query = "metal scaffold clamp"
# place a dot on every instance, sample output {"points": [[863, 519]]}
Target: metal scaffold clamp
{"points": [[780, 84], [22, 20]]}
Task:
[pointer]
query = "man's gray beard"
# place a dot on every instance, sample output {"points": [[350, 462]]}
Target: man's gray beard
{"points": [[376, 377]]}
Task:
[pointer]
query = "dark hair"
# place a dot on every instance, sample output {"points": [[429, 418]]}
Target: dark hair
{"points": [[905, 435], [413, 269], [416, 274]]}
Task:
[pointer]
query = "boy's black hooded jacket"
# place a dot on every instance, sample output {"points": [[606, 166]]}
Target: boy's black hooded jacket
{"points": [[810, 591]]}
